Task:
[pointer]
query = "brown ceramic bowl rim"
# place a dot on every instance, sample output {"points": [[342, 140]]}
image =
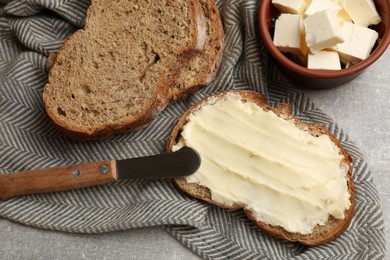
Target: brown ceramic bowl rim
{"points": [[263, 27]]}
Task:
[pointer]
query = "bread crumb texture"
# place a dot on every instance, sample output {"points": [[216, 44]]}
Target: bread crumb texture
{"points": [[108, 73]]}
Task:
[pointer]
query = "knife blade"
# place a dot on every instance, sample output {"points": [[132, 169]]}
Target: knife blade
{"points": [[180, 163]]}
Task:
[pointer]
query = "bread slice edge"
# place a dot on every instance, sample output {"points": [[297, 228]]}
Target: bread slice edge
{"points": [[214, 59]]}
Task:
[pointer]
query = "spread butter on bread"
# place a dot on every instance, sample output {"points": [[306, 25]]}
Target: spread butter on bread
{"points": [[293, 179], [115, 74]]}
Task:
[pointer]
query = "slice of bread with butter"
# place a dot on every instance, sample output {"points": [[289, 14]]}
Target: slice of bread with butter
{"points": [[293, 179]]}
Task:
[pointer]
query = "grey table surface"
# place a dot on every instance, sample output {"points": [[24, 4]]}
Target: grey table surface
{"points": [[361, 108]]}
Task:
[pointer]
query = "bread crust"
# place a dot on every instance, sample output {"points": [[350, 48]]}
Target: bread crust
{"points": [[321, 234], [215, 58], [161, 95]]}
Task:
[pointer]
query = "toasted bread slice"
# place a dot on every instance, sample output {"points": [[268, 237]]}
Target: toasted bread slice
{"points": [[202, 68], [114, 75], [321, 233]]}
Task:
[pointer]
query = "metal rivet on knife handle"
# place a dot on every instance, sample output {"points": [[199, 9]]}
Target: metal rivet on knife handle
{"points": [[103, 169], [76, 173]]}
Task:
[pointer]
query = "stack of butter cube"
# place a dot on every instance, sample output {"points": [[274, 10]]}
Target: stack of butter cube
{"points": [[326, 34]]}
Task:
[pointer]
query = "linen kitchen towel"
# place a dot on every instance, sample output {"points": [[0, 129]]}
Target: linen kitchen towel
{"points": [[31, 29]]}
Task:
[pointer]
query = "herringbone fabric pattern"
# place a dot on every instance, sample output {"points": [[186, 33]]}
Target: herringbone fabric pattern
{"points": [[31, 29]]}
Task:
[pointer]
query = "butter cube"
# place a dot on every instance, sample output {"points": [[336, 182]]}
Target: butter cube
{"points": [[322, 30], [343, 16], [324, 60], [321, 5], [290, 6], [289, 35], [362, 12], [358, 43]]}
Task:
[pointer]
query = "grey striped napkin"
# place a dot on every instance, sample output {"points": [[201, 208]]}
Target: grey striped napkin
{"points": [[31, 29]]}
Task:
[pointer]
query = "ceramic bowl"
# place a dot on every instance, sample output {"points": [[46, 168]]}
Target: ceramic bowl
{"points": [[322, 78]]}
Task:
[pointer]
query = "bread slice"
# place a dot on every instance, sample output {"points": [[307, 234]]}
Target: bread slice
{"points": [[114, 75], [203, 66], [321, 233]]}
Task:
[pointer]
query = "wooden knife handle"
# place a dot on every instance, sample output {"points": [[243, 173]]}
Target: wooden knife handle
{"points": [[57, 178]]}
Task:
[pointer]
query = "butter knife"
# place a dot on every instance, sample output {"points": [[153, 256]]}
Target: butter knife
{"points": [[180, 163]]}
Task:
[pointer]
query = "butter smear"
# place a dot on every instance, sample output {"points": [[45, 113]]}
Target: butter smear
{"points": [[253, 158]]}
